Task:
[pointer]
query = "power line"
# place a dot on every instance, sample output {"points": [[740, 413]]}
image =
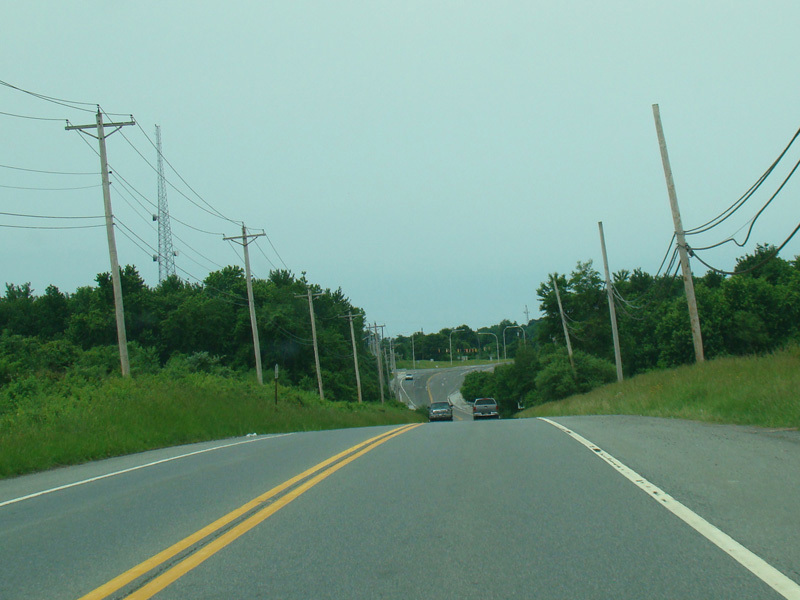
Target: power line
{"points": [[61, 101], [181, 177], [46, 172], [265, 256], [50, 189], [275, 250], [213, 210], [131, 237], [728, 212], [8, 114], [50, 216], [153, 204], [755, 218], [669, 247], [753, 268], [152, 227], [52, 227]]}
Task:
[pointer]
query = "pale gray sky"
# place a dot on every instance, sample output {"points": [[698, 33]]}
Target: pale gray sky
{"points": [[434, 159]]}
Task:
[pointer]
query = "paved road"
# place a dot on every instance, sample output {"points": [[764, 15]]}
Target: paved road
{"points": [[438, 385], [497, 509]]}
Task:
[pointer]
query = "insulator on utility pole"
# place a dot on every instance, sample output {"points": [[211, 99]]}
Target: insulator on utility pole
{"points": [[688, 283], [244, 240], [119, 310]]}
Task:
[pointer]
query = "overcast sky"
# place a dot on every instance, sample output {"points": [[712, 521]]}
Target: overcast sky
{"points": [[435, 160]]}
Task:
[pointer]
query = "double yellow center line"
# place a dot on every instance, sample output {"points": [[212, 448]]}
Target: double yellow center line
{"points": [[296, 486]]}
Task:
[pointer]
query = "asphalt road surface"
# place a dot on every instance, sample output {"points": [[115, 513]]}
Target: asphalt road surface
{"points": [[491, 509], [438, 385]]}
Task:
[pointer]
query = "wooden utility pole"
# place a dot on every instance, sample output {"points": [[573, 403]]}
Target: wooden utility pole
{"points": [[688, 283], [564, 323], [350, 316], [377, 346], [244, 240], [122, 338], [611, 309], [314, 337]]}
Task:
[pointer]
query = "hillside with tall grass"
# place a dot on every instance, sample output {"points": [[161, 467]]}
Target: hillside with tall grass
{"points": [[54, 422], [755, 390]]}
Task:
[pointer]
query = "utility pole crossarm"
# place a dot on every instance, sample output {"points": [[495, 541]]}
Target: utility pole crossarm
{"points": [[116, 126]]}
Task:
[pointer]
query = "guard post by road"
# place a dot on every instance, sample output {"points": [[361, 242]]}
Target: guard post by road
{"points": [[276, 384]]}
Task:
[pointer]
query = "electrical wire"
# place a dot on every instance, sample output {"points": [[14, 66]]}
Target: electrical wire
{"points": [[45, 172], [213, 211], [130, 189], [265, 256], [753, 268], [132, 235], [153, 204], [8, 114], [669, 247], [42, 189], [755, 218], [275, 250], [61, 101], [150, 224], [180, 176], [50, 216], [728, 212], [52, 227]]}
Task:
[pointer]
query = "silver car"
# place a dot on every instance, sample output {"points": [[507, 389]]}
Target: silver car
{"points": [[440, 411], [485, 407]]}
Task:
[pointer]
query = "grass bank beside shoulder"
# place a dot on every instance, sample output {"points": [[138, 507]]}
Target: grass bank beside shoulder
{"points": [[73, 421], [758, 390]]}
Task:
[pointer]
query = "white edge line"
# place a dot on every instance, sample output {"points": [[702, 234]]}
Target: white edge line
{"points": [[779, 582], [152, 464], [403, 389]]}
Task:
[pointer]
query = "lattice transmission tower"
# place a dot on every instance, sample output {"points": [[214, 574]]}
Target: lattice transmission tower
{"points": [[166, 255]]}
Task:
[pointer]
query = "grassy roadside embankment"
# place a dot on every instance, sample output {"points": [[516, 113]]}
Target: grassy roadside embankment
{"points": [[756, 390], [73, 421]]}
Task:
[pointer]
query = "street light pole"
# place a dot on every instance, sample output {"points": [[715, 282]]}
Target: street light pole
{"points": [[496, 341], [451, 344], [505, 355]]}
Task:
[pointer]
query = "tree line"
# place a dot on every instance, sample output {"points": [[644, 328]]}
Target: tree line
{"points": [[755, 310], [206, 325], [467, 343]]}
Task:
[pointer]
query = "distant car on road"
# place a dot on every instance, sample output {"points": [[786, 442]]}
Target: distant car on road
{"points": [[485, 407], [409, 376], [440, 411]]}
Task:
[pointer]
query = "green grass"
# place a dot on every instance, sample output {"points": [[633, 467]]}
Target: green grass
{"points": [[69, 422], [444, 364], [756, 390]]}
